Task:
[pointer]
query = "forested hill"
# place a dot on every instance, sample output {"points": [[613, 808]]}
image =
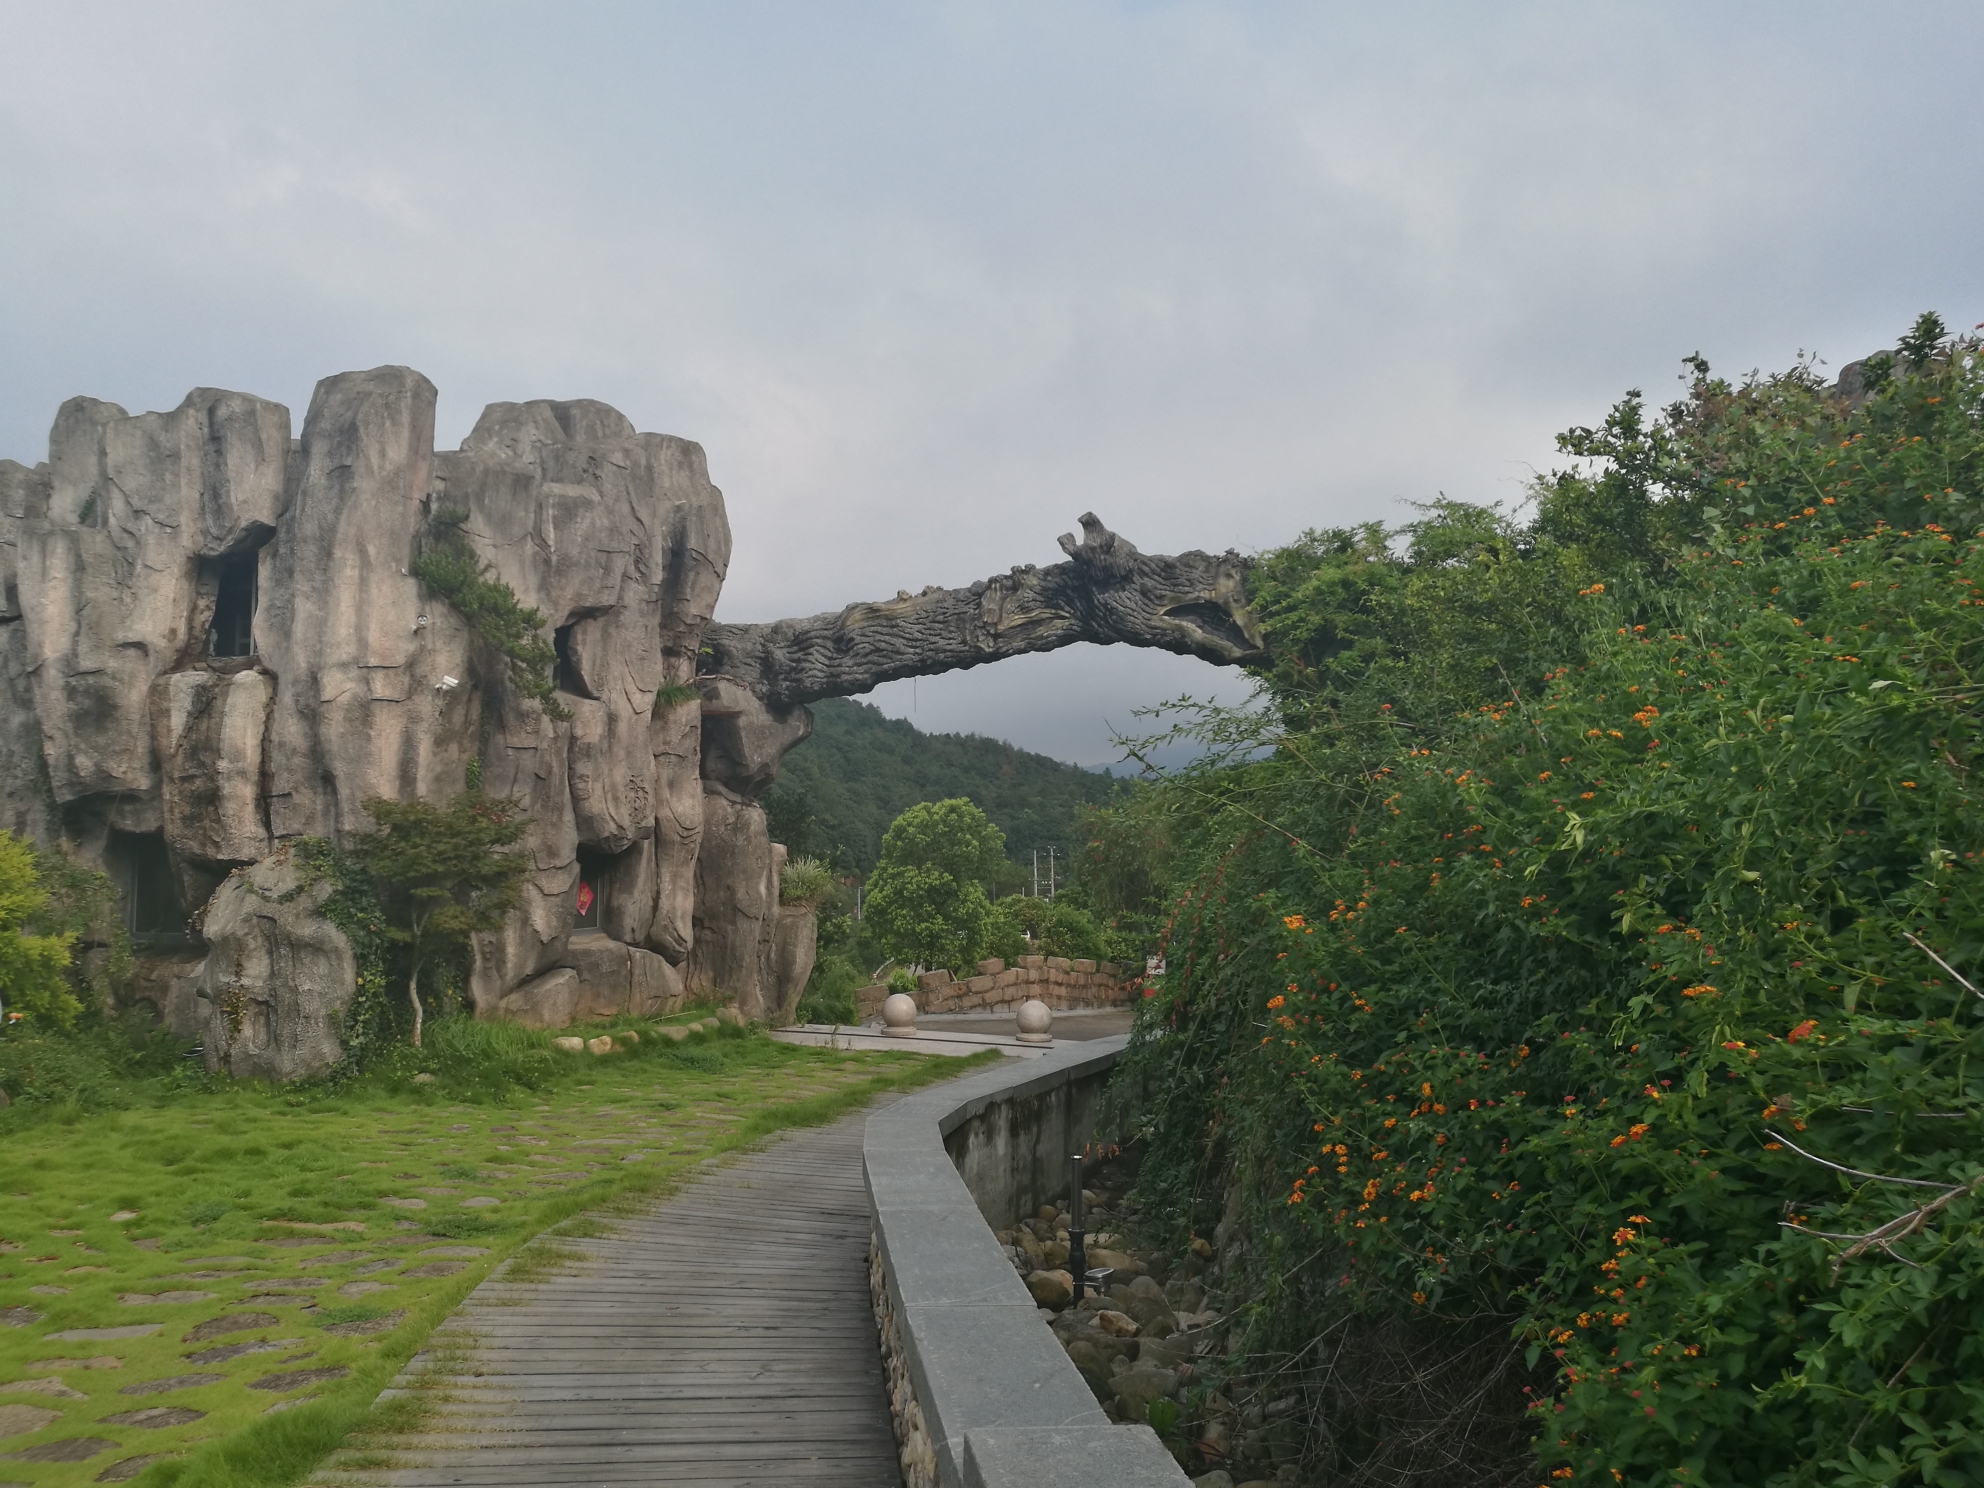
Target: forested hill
{"points": [[838, 792]]}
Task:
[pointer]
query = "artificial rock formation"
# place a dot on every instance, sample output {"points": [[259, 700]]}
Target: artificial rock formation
{"points": [[277, 976], [212, 645], [1107, 592]]}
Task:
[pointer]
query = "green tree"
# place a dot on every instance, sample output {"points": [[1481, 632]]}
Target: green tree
{"points": [[32, 966], [441, 874], [926, 898]]}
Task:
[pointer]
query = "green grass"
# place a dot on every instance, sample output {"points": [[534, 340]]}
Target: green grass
{"points": [[238, 1193]]}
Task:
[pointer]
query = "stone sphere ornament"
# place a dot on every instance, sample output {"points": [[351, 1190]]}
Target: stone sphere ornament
{"points": [[1035, 1018], [899, 1015]]}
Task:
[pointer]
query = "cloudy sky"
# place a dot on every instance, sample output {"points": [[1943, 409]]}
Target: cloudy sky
{"points": [[928, 281]]}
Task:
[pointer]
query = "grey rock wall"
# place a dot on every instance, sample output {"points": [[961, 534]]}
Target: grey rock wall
{"points": [[109, 577], [621, 541], [736, 904], [795, 947], [278, 976], [117, 716], [27, 804]]}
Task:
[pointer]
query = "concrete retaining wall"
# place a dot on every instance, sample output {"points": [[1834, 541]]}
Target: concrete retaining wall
{"points": [[1054, 980], [985, 1397]]}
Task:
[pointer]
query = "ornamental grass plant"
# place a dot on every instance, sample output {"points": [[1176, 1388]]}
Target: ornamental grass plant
{"points": [[1572, 1017]]}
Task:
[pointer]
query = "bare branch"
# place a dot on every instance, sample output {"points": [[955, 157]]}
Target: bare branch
{"points": [[1962, 980], [1856, 1172], [1914, 1222]]}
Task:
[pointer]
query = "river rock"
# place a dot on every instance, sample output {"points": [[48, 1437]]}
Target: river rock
{"points": [[1137, 1386], [1051, 1288], [1125, 1266]]}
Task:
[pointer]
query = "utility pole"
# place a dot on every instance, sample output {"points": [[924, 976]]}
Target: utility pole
{"points": [[1050, 875], [1036, 873]]}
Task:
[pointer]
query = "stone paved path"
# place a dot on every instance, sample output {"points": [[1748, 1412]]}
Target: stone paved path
{"points": [[724, 1339]]}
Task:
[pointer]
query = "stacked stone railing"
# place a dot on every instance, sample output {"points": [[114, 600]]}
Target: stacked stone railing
{"points": [[983, 1394], [1055, 980]]}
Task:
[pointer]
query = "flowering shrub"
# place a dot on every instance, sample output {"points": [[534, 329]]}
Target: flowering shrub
{"points": [[1603, 975]]}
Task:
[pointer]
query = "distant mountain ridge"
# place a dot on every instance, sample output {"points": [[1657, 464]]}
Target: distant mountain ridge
{"points": [[838, 792]]}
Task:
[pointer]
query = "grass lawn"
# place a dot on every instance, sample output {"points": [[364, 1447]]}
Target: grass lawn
{"points": [[209, 1285]]}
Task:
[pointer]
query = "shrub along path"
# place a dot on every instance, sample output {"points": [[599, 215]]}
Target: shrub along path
{"points": [[723, 1337]]}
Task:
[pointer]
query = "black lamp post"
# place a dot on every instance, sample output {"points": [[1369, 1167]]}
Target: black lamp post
{"points": [[1077, 1251]]}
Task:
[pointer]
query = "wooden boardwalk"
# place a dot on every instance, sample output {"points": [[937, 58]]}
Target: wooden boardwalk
{"points": [[725, 1338]]}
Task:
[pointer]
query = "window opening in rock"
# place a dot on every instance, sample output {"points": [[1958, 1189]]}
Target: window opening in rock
{"points": [[570, 678], [142, 869], [233, 629], [589, 899]]}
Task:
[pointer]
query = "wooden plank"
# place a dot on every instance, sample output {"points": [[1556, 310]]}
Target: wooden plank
{"points": [[723, 1338]]}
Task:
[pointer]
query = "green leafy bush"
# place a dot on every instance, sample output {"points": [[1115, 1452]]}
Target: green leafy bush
{"points": [[33, 967], [1055, 927], [829, 996], [1589, 969]]}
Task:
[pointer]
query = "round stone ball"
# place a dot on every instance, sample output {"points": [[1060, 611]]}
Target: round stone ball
{"points": [[1035, 1017], [899, 1013]]}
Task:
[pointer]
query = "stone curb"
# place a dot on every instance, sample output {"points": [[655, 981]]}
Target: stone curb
{"points": [[994, 1397]]}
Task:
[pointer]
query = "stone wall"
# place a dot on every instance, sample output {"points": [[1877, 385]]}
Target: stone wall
{"points": [[984, 1395], [1054, 980]]}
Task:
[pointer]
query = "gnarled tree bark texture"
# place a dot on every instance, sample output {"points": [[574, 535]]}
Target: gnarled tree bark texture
{"points": [[1192, 603]]}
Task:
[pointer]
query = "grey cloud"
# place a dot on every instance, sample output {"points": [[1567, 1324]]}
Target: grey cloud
{"points": [[929, 281]]}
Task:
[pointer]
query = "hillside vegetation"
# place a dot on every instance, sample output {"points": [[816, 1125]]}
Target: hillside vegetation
{"points": [[1571, 1020], [838, 792]]}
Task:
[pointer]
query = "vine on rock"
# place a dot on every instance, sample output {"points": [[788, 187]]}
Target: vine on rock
{"points": [[371, 1021]]}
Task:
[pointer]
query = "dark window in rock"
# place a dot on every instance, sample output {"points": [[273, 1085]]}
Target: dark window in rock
{"points": [[233, 629], [570, 678], [590, 896], [142, 871]]}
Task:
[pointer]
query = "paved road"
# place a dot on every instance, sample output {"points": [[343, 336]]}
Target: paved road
{"points": [[723, 1339]]}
